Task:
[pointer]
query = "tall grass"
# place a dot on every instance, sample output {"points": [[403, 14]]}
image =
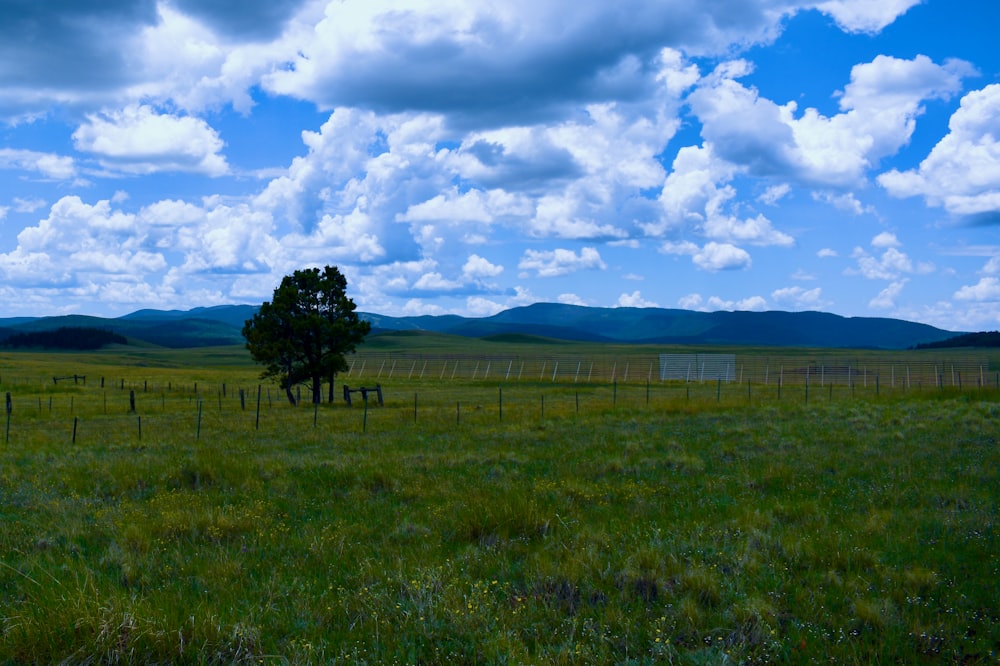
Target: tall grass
{"points": [[471, 522]]}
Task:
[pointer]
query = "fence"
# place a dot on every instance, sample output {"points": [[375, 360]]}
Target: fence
{"points": [[697, 367], [891, 369], [133, 411]]}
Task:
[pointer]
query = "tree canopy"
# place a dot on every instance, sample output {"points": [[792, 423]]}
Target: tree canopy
{"points": [[66, 337], [980, 339], [303, 333]]}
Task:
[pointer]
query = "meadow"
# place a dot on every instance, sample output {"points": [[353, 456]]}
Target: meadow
{"points": [[490, 521]]}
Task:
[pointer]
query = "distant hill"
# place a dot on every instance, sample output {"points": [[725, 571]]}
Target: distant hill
{"points": [[672, 326], [222, 325]]}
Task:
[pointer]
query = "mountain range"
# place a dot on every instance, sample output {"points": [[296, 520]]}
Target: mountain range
{"points": [[222, 325]]}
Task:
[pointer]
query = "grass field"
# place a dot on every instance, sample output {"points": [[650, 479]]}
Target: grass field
{"points": [[484, 522]]}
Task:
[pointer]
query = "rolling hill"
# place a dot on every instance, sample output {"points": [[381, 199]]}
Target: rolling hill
{"points": [[221, 325]]}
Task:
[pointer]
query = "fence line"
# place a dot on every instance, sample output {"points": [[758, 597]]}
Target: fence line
{"points": [[89, 418], [899, 370]]}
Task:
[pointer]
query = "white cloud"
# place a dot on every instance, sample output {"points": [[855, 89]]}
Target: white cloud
{"points": [[827, 253], [886, 299], [28, 205], [714, 303], [435, 282], [570, 299], [635, 300], [683, 248], [139, 140], [697, 195], [563, 133], [846, 202], [712, 257], [865, 15], [962, 172], [757, 231], [891, 264], [560, 261], [886, 239], [478, 306], [986, 290], [879, 110], [476, 267], [417, 56], [48, 165], [775, 193], [721, 257], [798, 297], [690, 302], [78, 243], [750, 304]]}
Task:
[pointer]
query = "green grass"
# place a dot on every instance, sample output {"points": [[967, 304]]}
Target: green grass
{"points": [[582, 524]]}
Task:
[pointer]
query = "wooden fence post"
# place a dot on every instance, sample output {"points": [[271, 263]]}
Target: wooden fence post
{"points": [[257, 425]]}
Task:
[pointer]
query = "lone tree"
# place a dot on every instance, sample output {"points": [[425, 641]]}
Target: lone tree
{"points": [[303, 333]]}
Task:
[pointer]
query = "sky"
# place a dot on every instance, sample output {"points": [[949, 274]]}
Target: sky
{"points": [[469, 156]]}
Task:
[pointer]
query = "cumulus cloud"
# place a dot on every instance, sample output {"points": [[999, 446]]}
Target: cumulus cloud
{"points": [[52, 166], [986, 290], [394, 58], [383, 55], [775, 193], [78, 242], [798, 297], [635, 300], [139, 140], [435, 282], [845, 201], [570, 299], [477, 267], [891, 264], [879, 110], [864, 15], [561, 135], [560, 261], [886, 299], [712, 256], [886, 239], [698, 303], [757, 230], [962, 173], [697, 195], [690, 302], [749, 304]]}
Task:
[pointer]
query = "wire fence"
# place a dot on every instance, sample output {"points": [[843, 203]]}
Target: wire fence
{"points": [[469, 389], [904, 369]]}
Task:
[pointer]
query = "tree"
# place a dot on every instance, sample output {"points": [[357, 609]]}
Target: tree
{"points": [[304, 331]]}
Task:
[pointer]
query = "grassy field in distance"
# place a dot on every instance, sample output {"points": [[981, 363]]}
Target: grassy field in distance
{"points": [[488, 521]]}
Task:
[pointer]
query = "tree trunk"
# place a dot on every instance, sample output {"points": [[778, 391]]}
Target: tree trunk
{"points": [[287, 383], [333, 376], [317, 389]]}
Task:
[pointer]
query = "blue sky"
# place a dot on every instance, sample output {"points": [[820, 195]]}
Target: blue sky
{"points": [[463, 156]]}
